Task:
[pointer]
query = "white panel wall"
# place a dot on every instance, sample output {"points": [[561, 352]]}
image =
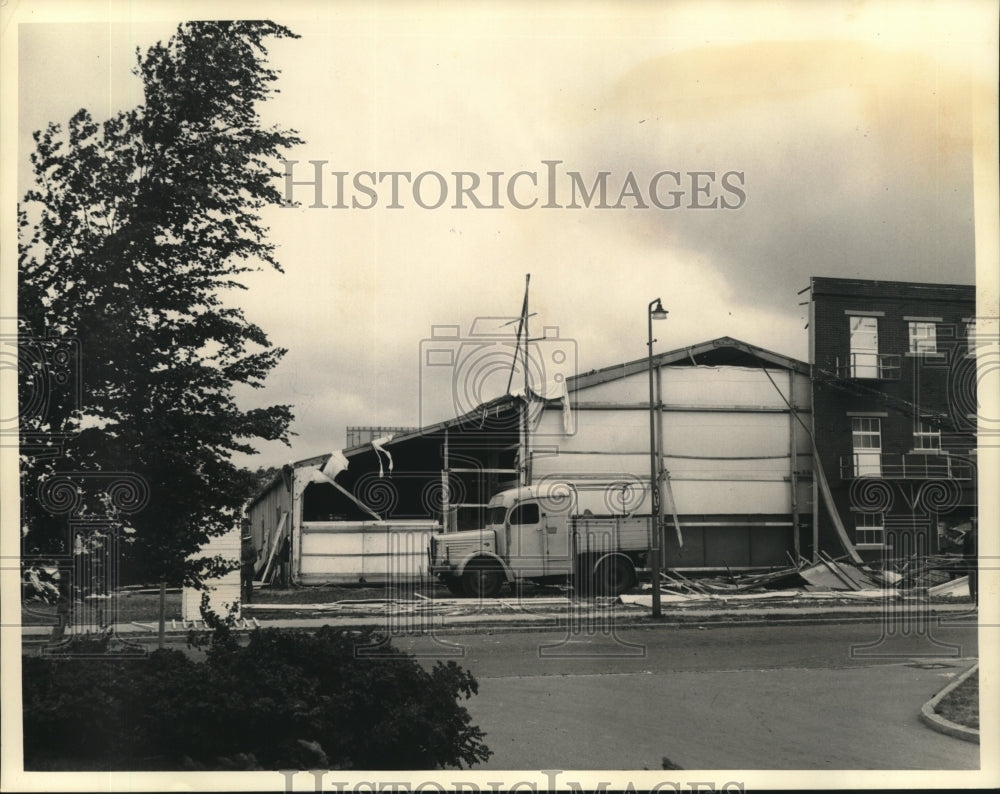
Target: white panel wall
{"points": [[606, 429], [376, 552], [618, 434], [223, 591], [717, 495], [730, 497], [724, 386], [719, 461], [725, 434], [699, 385], [589, 466], [633, 389]]}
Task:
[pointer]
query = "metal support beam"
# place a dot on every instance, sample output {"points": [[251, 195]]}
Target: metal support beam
{"points": [[655, 307], [691, 407], [445, 506], [793, 456]]}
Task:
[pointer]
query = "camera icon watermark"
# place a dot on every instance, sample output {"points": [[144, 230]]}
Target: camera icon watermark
{"points": [[973, 383], [461, 374], [969, 359]]}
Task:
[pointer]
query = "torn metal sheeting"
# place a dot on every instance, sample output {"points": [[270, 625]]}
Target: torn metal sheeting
{"points": [[956, 588]]}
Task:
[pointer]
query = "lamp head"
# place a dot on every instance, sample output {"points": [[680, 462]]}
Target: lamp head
{"points": [[657, 312]]}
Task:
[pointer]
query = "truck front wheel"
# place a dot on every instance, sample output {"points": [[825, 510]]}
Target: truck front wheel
{"points": [[613, 576], [482, 580]]}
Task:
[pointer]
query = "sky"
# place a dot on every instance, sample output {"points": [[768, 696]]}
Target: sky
{"points": [[856, 129], [838, 135]]}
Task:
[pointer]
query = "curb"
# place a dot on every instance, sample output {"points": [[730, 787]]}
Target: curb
{"points": [[543, 623], [939, 723]]}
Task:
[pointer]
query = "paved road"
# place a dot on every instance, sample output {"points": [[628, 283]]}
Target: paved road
{"points": [[763, 697]]}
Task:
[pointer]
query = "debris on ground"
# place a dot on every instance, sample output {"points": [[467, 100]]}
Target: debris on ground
{"points": [[933, 575], [802, 582], [955, 588], [422, 606]]}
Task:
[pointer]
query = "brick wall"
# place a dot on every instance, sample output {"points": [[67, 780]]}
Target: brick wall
{"points": [[925, 385]]}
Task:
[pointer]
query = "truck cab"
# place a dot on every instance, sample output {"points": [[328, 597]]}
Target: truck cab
{"points": [[536, 533], [527, 536]]}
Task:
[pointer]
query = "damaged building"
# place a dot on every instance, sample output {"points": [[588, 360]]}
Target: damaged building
{"points": [[894, 415], [868, 452], [735, 469]]}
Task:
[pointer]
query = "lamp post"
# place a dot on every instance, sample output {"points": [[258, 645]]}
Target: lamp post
{"points": [[655, 312]]}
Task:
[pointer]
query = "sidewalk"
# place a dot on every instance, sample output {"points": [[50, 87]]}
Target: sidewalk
{"points": [[507, 614]]}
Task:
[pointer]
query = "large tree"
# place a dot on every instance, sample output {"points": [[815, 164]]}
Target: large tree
{"points": [[136, 230]]}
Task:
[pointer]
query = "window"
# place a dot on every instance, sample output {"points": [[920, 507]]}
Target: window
{"points": [[970, 337], [495, 516], [869, 529], [866, 435], [526, 513], [926, 437], [923, 337], [864, 346]]}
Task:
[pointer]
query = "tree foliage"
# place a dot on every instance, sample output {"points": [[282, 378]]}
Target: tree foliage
{"points": [[136, 230], [285, 700]]}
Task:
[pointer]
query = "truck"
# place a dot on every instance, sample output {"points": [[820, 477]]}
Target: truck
{"points": [[539, 533]]}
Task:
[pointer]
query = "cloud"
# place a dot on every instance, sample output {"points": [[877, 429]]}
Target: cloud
{"points": [[855, 155]]}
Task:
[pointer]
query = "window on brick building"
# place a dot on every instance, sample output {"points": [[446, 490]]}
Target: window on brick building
{"points": [[869, 529], [970, 337], [866, 436], [926, 437], [864, 347], [923, 337]]}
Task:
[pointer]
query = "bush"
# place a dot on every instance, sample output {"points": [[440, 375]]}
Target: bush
{"points": [[284, 700]]}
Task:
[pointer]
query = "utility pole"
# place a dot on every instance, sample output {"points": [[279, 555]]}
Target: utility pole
{"points": [[654, 312], [527, 394]]}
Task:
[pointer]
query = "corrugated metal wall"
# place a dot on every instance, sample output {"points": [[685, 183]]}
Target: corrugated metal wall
{"points": [[265, 515]]}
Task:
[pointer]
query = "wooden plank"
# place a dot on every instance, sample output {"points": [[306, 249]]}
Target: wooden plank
{"points": [[274, 544], [677, 582], [831, 506], [697, 586]]}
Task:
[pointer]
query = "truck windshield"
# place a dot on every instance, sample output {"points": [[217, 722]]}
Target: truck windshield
{"points": [[495, 515]]}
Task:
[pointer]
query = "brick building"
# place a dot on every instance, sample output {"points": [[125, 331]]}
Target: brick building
{"points": [[893, 381]]}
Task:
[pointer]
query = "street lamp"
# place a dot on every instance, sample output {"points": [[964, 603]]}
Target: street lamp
{"points": [[656, 312]]}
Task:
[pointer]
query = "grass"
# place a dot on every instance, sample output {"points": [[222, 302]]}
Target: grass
{"points": [[325, 594], [961, 705], [143, 607]]}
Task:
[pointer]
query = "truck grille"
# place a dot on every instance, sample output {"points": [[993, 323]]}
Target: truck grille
{"points": [[459, 548]]}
